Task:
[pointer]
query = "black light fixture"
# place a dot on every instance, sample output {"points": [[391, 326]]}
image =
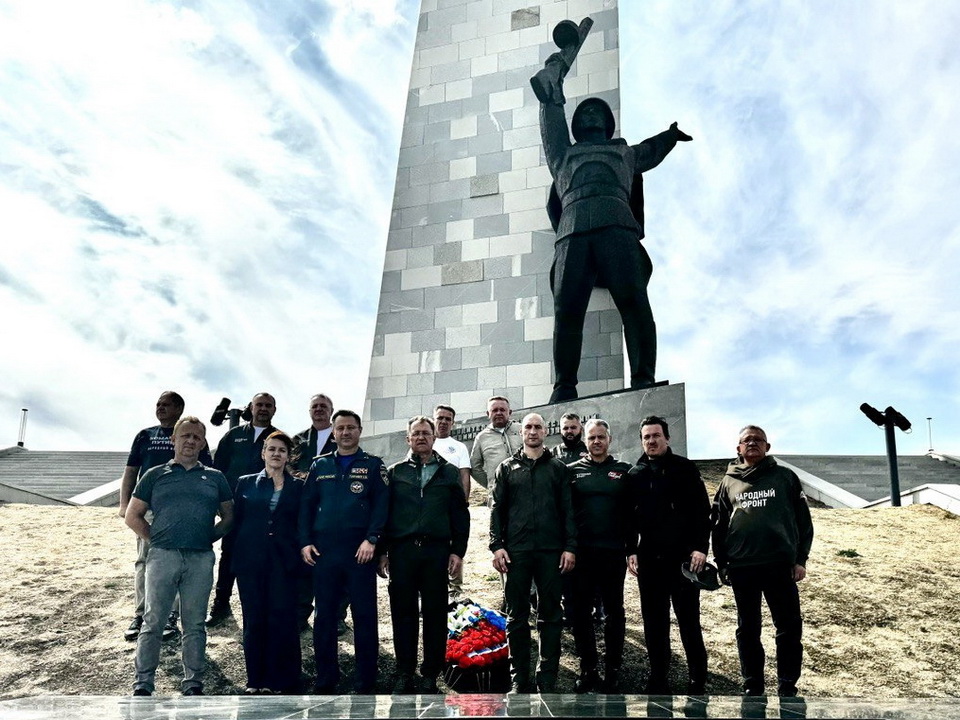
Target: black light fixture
{"points": [[224, 411], [888, 419]]}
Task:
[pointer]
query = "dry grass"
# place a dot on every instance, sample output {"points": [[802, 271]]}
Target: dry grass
{"points": [[880, 607]]}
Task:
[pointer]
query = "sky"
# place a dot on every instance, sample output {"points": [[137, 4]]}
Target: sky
{"points": [[195, 195]]}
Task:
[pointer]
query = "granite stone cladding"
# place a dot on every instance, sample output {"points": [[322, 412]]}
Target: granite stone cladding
{"points": [[466, 309]]}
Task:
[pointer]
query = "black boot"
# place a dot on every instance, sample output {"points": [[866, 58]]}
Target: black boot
{"points": [[587, 682]]}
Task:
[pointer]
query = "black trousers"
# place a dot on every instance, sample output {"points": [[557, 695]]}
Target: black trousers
{"points": [[615, 258], [271, 639], [225, 574], [526, 569], [661, 583], [774, 583], [335, 574], [305, 597], [418, 583], [599, 570]]}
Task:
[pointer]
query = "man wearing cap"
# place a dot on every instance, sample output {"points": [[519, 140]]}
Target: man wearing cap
{"points": [[596, 209], [761, 541], [671, 515]]}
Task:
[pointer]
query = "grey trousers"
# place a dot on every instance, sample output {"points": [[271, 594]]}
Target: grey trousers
{"points": [[139, 578], [169, 572]]}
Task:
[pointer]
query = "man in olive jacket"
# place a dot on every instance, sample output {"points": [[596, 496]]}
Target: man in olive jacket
{"points": [[425, 540], [761, 541], [533, 539]]}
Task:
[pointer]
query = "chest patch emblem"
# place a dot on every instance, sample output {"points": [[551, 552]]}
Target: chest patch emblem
{"points": [[356, 487]]}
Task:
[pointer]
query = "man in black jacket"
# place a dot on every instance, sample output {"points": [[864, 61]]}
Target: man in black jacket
{"points": [[425, 540], [598, 486], [308, 445], [239, 452], [571, 446], [761, 541], [316, 440], [533, 539], [671, 514]]}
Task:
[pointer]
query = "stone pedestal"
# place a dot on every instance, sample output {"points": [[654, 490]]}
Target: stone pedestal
{"points": [[623, 410]]}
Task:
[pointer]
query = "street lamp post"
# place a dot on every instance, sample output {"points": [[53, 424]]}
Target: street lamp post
{"points": [[888, 419]]}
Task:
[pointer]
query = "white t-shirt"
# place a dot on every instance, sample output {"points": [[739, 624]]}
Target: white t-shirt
{"points": [[453, 451], [322, 436]]}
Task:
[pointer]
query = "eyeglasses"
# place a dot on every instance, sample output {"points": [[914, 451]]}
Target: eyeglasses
{"points": [[752, 440]]}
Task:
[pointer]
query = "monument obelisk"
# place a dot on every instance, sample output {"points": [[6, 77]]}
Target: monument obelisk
{"points": [[466, 309]]}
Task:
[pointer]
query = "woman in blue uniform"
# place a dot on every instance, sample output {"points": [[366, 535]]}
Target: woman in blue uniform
{"points": [[267, 562]]}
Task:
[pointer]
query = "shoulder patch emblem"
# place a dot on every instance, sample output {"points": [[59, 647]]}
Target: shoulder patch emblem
{"points": [[356, 487]]}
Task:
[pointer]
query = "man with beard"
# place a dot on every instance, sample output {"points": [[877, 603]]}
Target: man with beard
{"points": [[239, 452], [571, 447]]}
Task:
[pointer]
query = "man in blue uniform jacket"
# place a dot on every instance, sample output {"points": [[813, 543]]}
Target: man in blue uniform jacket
{"points": [[342, 516]]}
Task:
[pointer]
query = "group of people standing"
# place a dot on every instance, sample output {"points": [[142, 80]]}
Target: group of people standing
{"points": [[315, 518]]}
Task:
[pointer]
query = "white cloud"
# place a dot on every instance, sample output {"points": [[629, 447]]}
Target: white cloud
{"points": [[198, 198], [193, 209], [803, 240]]}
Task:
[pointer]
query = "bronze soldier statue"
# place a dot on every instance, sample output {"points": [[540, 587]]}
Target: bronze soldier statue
{"points": [[596, 209]]}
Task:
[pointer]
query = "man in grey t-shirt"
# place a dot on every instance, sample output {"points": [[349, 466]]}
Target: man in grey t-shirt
{"points": [[185, 497]]}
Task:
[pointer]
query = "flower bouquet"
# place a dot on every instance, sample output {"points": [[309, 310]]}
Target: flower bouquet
{"points": [[477, 654]]}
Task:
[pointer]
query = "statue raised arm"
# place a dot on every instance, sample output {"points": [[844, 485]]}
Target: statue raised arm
{"points": [[596, 209]]}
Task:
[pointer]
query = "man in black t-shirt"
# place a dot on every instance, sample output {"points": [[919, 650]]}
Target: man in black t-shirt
{"points": [[151, 447]]}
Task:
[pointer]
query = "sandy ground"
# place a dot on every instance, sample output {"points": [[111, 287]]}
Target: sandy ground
{"points": [[880, 606]]}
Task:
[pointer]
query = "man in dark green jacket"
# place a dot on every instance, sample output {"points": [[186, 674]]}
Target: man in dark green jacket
{"points": [[533, 539], [425, 541], [761, 540]]}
